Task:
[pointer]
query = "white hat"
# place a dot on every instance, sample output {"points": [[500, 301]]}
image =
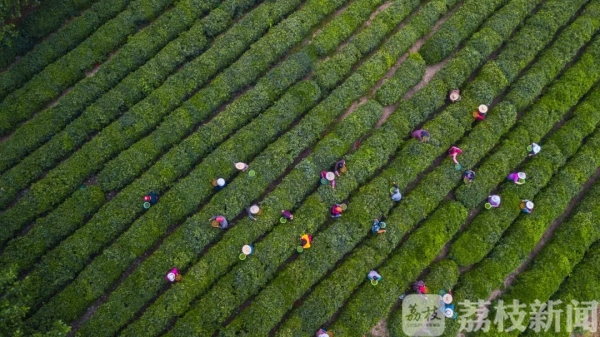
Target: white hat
{"points": [[495, 198], [330, 176], [240, 166], [447, 298], [529, 205], [454, 95], [254, 209], [171, 277], [483, 108], [221, 182], [522, 175], [448, 312], [247, 249], [536, 148]]}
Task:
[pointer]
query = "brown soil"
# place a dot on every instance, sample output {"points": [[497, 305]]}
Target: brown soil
{"points": [[380, 330]]}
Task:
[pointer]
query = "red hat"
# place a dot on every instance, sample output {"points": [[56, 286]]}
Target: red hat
{"points": [[220, 218], [338, 209]]}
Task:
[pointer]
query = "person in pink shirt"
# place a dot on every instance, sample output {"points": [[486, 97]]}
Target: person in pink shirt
{"points": [[173, 275], [517, 177]]}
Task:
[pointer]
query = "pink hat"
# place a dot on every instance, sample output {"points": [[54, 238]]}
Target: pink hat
{"points": [[220, 218]]}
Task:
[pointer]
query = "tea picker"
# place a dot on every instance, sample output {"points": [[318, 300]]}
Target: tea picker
{"points": [[324, 333], [517, 177], [493, 201], [421, 135], [286, 216], [533, 149], [454, 95], [480, 113], [219, 221], [218, 183], [420, 287], [340, 166], [173, 276], [246, 250], [453, 152], [468, 176], [395, 192], [305, 241], [328, 176], [526, 206], [374, 277], [150, 199], [376, 227], [252, 211], [241, 166], [336, 211]]}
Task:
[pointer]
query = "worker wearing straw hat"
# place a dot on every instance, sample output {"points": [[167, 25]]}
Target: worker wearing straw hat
{"points": [[526, 206], [454, 95], [421, 135], [219, 183], [219, 221], [329, 176], [480, 113], [494, 200], [395, 193], [517, 177], [340, 166], [305, 241], [173, 275], [533, 149], [336, 211], [241, 166], [252, 211]]}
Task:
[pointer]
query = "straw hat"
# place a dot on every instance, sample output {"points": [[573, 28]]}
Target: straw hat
{"points": [[221, 182], [483, 108], [254, 209], [522, 175], [330, 176], [247, 249], [447, 298], [495, 198], [171, 277], [529, 205], [240, 166], [454, 96]]}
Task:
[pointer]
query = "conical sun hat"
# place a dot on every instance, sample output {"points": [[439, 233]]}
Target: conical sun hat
{"points": [[522, 175], [529, 205], [454, 95], [171, 277], [536, 148], [254, 209], [221, 182], [447, 298], [240, 166], [496, 198], [448, 312], [330, 176], [483, 108]]}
